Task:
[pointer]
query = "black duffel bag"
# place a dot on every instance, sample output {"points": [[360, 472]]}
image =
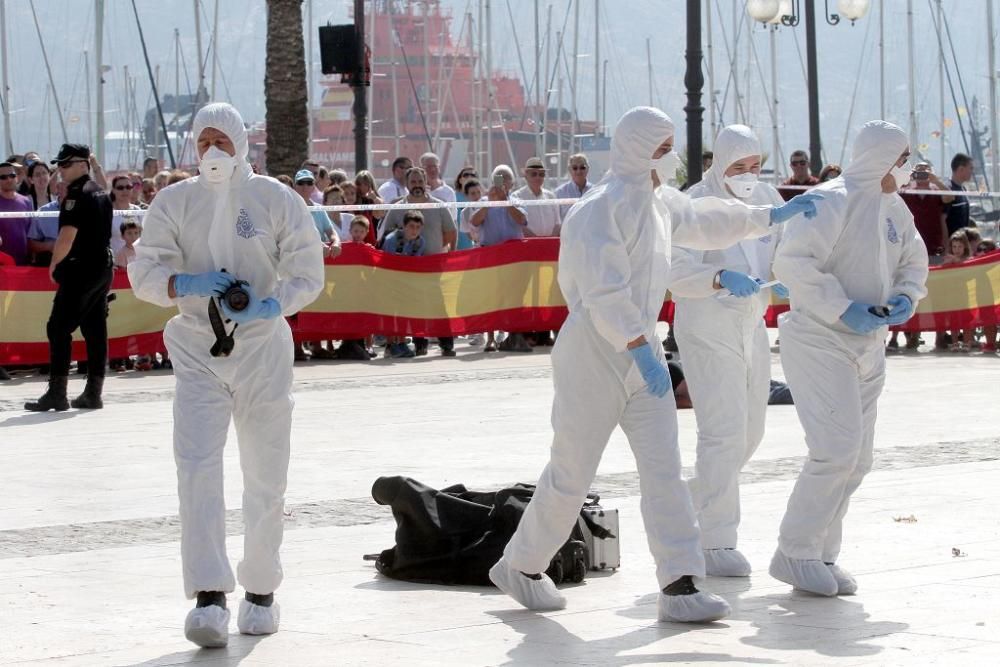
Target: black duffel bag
{"points": [[454, 536]]}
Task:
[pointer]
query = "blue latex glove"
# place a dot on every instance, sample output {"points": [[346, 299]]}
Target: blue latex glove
{"points": [[210, 283], [653, 372], [900, 309], [738, 284], [859, 320], [780, 290], [257, 309], [804, 204]]}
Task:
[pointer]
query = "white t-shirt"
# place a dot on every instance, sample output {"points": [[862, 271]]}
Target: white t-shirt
{"points": [[117, 242], [391, 191], [443, 192], [344, 229], [542, 220]]}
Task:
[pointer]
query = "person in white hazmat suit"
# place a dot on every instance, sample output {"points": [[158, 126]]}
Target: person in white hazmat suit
{"points": [[260, 232], [719, 326], [857, 268], [609, 369]]}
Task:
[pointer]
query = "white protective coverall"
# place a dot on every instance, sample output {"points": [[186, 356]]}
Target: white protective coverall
{"points": [[726, 355], [614, 267], [861, 247], [260, 231]]}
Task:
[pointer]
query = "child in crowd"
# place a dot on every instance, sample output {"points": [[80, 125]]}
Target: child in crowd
{"points": [[959, 250], [130, 231], [359, 229], [406, 241], [467, 233]]}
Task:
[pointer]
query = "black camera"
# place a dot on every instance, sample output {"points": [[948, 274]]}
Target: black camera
{"points": [[236, 297]]}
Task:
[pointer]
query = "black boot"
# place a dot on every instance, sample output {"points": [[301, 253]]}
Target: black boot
{"points": [[4, 375], [53, 399], [90, 399]]}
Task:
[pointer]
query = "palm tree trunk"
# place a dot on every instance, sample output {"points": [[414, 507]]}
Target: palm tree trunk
{"points": [[285, 98]]}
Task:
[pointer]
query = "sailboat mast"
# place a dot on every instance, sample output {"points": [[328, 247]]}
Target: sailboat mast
{"points": [[575, 126], [649, 72], [711, 68], [215, 45], [427, 61], [309, 72], [776, 160], [99, 53], [201, 61], [489, 86], [6, 87], [995, 137], [48, 71], [597, 65], [941, 90], [881, 59], [910, 74], [544, 82], [395, 93], [86, 87], [538, 86]]}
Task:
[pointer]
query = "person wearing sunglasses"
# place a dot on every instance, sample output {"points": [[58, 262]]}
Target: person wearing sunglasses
{"points": [[81, 267], [14, 231], [121, 200], [466, 174], [578, 183], [799, 162]]}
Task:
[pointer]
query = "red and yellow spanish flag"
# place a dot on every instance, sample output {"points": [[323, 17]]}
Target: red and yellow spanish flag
{"points": [[510, 287]]}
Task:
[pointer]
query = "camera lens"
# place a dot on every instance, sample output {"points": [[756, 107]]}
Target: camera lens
{"points": [[236, 298]]}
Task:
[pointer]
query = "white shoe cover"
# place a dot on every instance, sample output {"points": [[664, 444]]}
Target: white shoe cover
{"points": [[537, 594], [700, 607], [207, 627], [846, 584], [806, 575], [254, 619], [726, 563]]}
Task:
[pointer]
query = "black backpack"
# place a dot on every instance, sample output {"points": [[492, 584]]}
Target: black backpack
{"points": [[454, 536]]}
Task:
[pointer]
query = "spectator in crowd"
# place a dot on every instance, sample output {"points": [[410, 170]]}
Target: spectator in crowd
{"points": [[360, 226], [43, 232], [162, 179], [542, 220], [468, 234], [304, 185], [578, 183], [148, 192], [707, 159], [439, 230], [957, 211], [435, 185], [465, 174], [323, 179], [338, 177], [130, 231], [150, 167], [178, 175], [799, 161], [928, 209], [121, 200], [395, 188], [312, 166], [364, 182], [285, 179], [973, 236], [497, 225], [985, 247], [959, 250], [14, 231], [17, 161], [438, 235], [407, 240], [334, 196], [830, 172], [5, 260], [39, 177], [136, 188]]}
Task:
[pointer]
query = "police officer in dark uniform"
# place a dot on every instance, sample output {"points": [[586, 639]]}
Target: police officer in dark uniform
{"points": [[82, 268]]}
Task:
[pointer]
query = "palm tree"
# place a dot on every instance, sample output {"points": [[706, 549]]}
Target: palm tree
{"points": [[285, 88]]}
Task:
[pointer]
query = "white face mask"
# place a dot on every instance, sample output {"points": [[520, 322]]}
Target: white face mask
{"points": [[901, 175], [216, 165], [742, 185], [666, 167]]}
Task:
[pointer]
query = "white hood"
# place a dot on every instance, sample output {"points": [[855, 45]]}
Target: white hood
{"points": [[734, 143], [876, 149], [226, 119]]}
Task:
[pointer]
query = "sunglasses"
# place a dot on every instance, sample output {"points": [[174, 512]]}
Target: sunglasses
{"points": [[63, 165], [799, 163], [123, 188], [579, 167], [4, 177], [468, 174], [535, 172], [306, 183]]}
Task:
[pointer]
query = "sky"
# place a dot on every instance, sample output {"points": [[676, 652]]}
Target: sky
{"points": [[848, 63]]}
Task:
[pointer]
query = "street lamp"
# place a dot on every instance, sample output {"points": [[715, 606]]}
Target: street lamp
{"points": [[790, 15]]}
